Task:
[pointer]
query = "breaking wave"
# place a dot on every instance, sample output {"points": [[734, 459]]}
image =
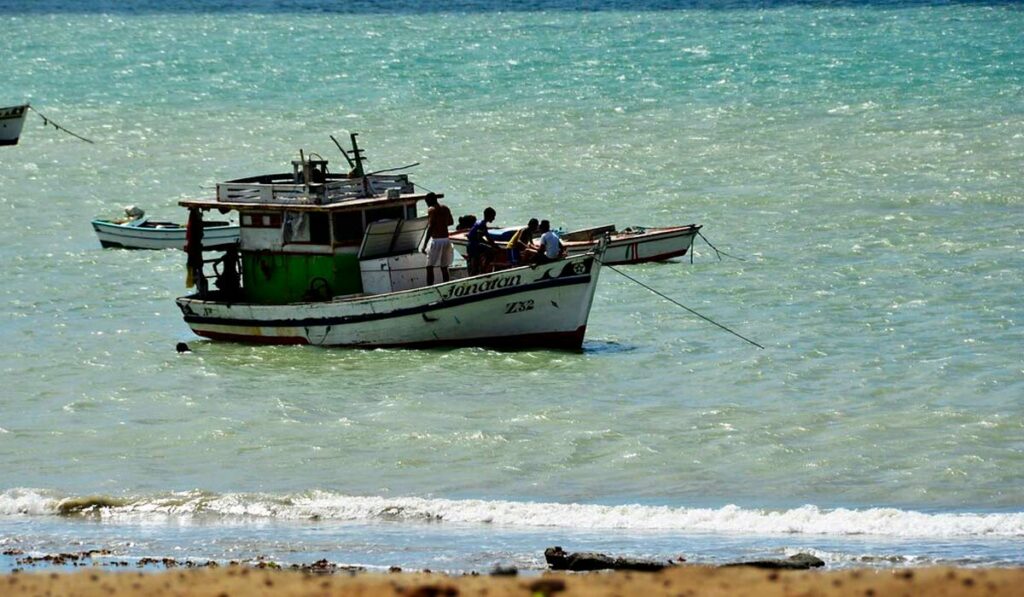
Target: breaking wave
{"points": [[328, 506]]}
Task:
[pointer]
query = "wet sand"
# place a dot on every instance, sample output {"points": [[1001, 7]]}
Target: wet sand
{"points": [[684, 580]]}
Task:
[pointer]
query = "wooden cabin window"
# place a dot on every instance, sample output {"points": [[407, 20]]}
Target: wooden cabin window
{"points": [[319, 229], [410, 211], [385, 213], [258, 220], [348, 227]]}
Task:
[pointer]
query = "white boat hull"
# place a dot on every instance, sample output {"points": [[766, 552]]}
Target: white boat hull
{"points": [[127, 236], [527, 307], [12, 119]]}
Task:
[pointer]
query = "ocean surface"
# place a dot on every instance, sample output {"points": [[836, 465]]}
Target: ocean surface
{"points": [[861, 165]]}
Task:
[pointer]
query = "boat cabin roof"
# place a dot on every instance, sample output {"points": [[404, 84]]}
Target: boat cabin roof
{"points": [[347, 205], [310, 187]]}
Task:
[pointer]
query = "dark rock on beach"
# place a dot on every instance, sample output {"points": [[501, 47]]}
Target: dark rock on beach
{"points": [[325, 567], [801, 561], [559, 559]]}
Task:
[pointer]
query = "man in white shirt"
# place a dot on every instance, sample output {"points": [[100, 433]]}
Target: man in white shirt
{"points": [[551, 247]]}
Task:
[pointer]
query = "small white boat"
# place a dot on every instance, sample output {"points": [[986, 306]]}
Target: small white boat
{"points": [[631, 245], [139, 231], [336, 260], [12, 119], [635, 244]]}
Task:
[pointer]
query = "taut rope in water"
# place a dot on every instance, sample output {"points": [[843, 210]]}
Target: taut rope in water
{"points": [[47, 121], [677, 303]]}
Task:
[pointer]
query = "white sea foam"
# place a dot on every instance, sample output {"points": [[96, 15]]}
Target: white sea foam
{"points": [[805, 520], [28, 502]]}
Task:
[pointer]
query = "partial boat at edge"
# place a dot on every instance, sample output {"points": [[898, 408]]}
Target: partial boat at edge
{"points": [[12, 119]]}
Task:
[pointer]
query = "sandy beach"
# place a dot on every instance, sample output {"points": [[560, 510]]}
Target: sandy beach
{"points": [[686, 580]]}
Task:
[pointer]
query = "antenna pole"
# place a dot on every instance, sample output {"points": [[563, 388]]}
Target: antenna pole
{"points": [[357, 155], [351, 164]]}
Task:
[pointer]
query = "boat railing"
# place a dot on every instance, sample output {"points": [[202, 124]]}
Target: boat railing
{"points": [[331, 191]]}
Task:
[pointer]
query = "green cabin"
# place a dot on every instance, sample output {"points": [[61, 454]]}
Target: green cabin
{"points": [[300, 232]]}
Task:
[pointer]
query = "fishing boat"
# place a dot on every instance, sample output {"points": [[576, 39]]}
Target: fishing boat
{"points": [[630, 245], [336, 259], [12, 119], [138, 231]]}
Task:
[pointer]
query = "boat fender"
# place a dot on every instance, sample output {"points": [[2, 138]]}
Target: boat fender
{"points": [[319, 290]]}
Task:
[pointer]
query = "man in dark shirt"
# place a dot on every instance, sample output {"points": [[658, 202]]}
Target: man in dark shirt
{"points": [[481, 245]]}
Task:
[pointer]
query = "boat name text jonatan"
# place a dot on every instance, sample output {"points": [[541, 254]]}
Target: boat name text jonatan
{"points": [[478, 287]]}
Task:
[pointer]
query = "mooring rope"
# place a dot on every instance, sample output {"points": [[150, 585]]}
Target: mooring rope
{"points": [[416, 184], [47, 121], [413, 165], [719, 253], [677, 303]]}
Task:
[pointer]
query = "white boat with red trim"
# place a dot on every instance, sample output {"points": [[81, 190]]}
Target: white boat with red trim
{"points": [[337, 260], [630, 245]]}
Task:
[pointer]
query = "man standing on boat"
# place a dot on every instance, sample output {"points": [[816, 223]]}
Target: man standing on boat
{"points": [[480, 246], [440, 254]]}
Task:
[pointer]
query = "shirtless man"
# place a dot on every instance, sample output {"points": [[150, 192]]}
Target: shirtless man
{"points": [[439, 218]]}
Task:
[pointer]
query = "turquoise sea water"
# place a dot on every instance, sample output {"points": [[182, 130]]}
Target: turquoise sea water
{"points": [[864, 159]]}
